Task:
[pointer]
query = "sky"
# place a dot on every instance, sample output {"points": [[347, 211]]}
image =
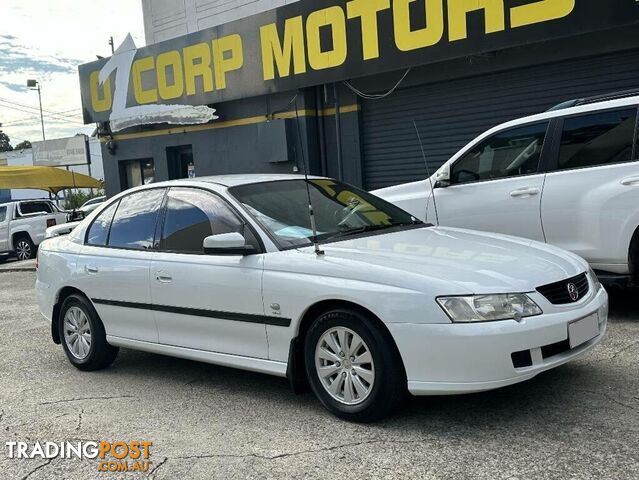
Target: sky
{"points": [[46, 40]]}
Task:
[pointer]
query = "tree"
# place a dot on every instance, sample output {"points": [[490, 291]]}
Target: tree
{"points": [[5, 146], [23, 145]]}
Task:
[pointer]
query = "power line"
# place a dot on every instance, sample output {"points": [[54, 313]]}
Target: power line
{"points": [[375, 96], [37, 109], [36, 116], [50, 116], [66, 118]]}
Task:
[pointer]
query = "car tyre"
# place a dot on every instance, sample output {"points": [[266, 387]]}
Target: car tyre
{"points": [[82, 335], [366, 391], [24, 248]]}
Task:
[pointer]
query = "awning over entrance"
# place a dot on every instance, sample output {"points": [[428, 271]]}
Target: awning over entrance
{"points": [[50, 179]]}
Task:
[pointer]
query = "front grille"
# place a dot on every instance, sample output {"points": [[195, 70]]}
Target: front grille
{"points": [[566, 291]]}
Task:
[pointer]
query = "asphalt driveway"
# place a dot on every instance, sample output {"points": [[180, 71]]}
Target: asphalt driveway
{"points": [[580, 421]]}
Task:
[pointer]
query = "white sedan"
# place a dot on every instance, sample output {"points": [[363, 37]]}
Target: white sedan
{"points": [[223, 270]]}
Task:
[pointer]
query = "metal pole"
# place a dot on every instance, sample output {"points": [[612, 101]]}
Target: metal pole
{"points": [[41, 115], [338, 135]]}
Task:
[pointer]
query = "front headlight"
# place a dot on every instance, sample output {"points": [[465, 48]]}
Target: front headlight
{"points": [[488, 308]]}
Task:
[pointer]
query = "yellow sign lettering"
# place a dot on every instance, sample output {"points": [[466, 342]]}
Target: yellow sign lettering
{"points": [[202, 69], [459, 9], [408, 39], [541, 11], [173, 60], [277, 54], [224, 64], [334, 18], [367, 10], [143, 96], [100, 102]]}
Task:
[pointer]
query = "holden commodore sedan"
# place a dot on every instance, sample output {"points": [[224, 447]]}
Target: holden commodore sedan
{"points": [[224, 270]]}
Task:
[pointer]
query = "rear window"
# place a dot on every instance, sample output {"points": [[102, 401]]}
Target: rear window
{"points": [[29, 208], [99, 231], [3, 214], [597, 139], [134, 223]]}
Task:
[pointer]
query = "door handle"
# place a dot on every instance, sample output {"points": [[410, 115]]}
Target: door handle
{"points": [[90, 269], [163, 277], [525, 192], [630, 181]]}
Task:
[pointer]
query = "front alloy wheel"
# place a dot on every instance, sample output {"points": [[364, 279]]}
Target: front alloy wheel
{"points": [[353, 365], [345, 366], [24, 250]]}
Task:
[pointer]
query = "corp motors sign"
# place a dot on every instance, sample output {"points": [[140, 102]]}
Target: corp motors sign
{"points": [[313, 42]]}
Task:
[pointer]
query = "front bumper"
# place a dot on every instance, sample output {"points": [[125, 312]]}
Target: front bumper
{"points": [[450, 358]]}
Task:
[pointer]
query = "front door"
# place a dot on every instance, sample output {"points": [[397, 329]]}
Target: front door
{"points": [[206, 302], [114, 264], [497, 186]]}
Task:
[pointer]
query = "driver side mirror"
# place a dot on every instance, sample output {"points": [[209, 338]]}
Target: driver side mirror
{"points": [[228, 244], [442, 177]]}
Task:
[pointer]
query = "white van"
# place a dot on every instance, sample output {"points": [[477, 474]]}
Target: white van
{"points": [[568, 177]]}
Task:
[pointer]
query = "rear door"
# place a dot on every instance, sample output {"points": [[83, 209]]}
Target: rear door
{"points": [[115, 261], [590, 204], [206, 302], [4, 229], [497, 185]]}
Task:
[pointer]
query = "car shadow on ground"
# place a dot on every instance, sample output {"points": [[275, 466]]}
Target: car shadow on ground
{"points": [[562, 387]]}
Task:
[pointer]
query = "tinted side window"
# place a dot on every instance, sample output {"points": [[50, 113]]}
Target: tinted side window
{"points": [[99, 231], [191, 216], [3, 214], [597, 139], [507, 154], [134, 222], [35, 207]]}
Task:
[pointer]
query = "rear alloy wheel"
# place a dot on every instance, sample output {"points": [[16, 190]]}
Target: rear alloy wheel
{"points": [[353, 366], [83, 336], [77, 333], [25, 249]]}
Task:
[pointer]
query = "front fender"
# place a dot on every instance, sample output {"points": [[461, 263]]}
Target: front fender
{"points": [[295, 293]]}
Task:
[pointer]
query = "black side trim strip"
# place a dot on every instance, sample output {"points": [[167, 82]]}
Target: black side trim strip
{"points": [[198, 312]]}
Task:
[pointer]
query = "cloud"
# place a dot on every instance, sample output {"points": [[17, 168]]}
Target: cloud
{"points": [[18, 58], [47, 41], [14, 87]]}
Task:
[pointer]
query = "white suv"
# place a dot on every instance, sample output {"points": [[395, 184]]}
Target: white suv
{"points": [[568, 177]]}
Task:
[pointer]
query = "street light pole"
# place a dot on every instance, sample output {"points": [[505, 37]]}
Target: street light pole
{"points": [[31, 84]]}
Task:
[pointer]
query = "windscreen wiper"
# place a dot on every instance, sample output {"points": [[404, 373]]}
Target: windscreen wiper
{"points": [[371, 228]]}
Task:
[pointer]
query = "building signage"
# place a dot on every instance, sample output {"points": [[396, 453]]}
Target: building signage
{"points": [[312, 42], [61, 152]]}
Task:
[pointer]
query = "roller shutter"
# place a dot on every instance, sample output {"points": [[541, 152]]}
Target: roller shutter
{"points": [[451, 113]]}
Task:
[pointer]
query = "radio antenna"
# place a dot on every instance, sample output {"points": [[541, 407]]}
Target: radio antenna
{"points": [[311, 212], [430, 181]]}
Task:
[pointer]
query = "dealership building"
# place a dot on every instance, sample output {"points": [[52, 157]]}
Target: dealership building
{"points": [[340, 85]]}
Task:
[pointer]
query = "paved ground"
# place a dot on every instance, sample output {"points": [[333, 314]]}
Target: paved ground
{"points": [[580, 421], [11, 264]]}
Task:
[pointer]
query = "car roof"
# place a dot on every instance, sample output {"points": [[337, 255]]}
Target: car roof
{"points": [[574, 110], [630, 101], [246, 179], [26, 200]]}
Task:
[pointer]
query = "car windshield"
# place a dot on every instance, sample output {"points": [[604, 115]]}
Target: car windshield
{"points": [[281, 208]]}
